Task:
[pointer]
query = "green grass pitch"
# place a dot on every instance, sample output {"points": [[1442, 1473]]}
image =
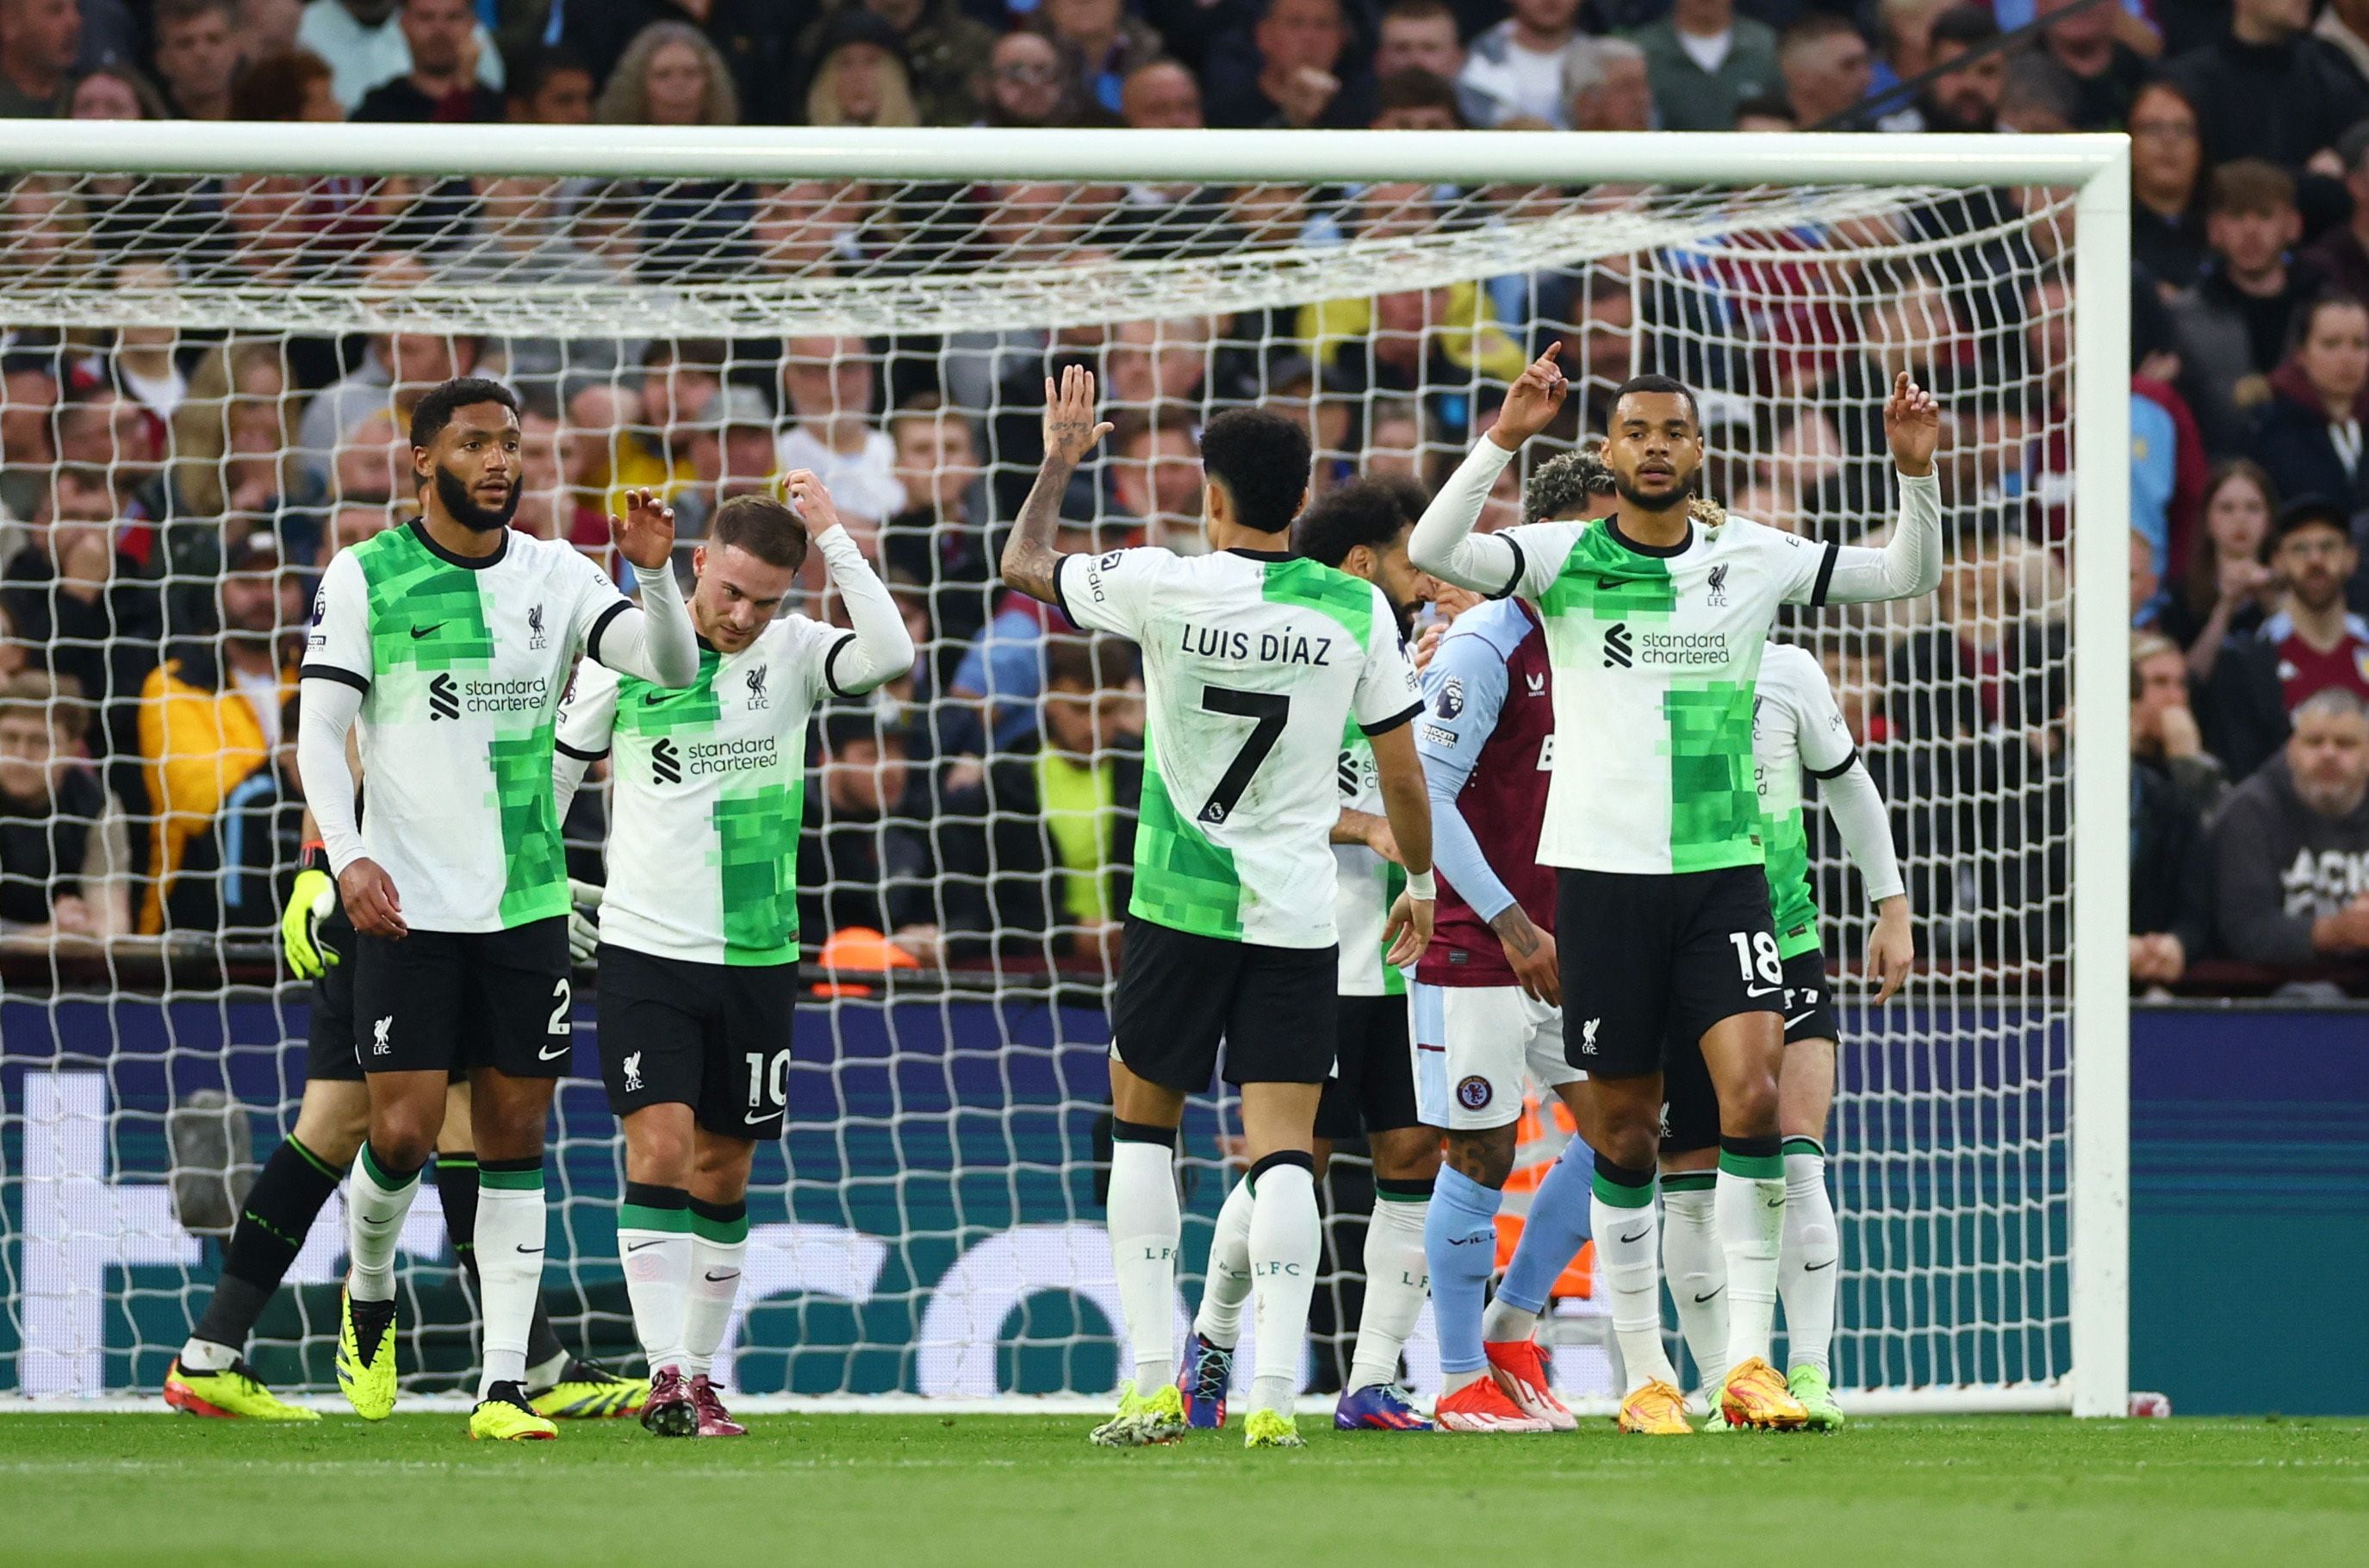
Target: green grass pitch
{"points": [[864, 1490]]}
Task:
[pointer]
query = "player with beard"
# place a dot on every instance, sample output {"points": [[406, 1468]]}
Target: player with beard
{"points": [[1655, 628], [451, 640], [1360, 529]]}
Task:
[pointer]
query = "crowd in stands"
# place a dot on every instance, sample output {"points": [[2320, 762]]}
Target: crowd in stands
{"points": [[167, 497]]}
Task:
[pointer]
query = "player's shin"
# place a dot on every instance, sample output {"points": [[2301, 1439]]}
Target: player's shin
{"points": [[1750, 1203], [654, 1242], [378, 1201], [1145, 1227], [509, 1236], [1557, 1226], [1461, 1246], [1397, 1279], [272, 1224], [1696, 1268], [1286, 1240], [1809, 1254], [719, 1248], [1227, 1284], [1626, 1253]]}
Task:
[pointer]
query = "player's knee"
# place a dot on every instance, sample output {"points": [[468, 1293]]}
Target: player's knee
{"points": [[1485, 1156], [1747, 1107], [401, 1142], [660, 1150]]}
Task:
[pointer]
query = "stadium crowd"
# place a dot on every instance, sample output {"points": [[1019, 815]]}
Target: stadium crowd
{"points": [[167, 497]]}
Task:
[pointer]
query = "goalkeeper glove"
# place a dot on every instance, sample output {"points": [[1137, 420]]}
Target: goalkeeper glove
{"points": [[583, 919], [309, 903]]}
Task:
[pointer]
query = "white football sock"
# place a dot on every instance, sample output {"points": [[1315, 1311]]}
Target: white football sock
{"points": [[1697, 1270], [376, 1207], [1626, 1257], [654, 1243], [1810, 1257], [510, 1242], [718, 1254], [1228, 1285], [1145, 1227], [1286, 1241], [205, 1355], [1751, 1209], [1398, 1275]]}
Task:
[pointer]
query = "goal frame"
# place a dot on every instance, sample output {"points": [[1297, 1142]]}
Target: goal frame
{"points": [[2096, 165]]}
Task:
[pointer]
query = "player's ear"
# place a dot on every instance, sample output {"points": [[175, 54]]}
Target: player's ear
{"points": [[698, 559]]}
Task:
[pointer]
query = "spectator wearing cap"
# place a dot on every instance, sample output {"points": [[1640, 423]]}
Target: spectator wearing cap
{"points": [[830, 385], [1702, 59], [1298, 75], [2341, 256], [2291, 848], [65, 855], [731, 445], [2309, 436], [1040, 848], [2233, 326], [864, 859], [1824, 67], [860, 76], [210, 716], [39, 40], [2266, 89], [2319, 642]]}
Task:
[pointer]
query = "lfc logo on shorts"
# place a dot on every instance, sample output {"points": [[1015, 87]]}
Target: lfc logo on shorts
{"points": [[1473, 1093], [633, 1065]]}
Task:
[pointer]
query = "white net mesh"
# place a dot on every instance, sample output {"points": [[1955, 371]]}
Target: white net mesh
{"points": [[199, 366]]}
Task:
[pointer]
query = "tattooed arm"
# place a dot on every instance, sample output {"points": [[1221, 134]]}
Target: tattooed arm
{"points": [[1071, 432]]}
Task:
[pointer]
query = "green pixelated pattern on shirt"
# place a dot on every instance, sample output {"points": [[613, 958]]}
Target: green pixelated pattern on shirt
{"points": [[646, 708], [534, 860], [1714, 803], [757, 864], [424, 611], [1605, 578], [1790, 901], [1182, 880], [1313, 586]]}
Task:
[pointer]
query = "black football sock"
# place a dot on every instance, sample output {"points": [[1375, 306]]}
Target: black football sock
{"points": [[272, 1224]]}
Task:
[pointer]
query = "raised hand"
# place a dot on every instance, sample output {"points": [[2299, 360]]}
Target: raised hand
{"points": [[645, 535], [1070, 428], [1532, 402], [810, 499], [1912, 425]]}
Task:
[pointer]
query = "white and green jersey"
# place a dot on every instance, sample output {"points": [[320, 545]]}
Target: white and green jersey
{"points": [[710, 791], [1254, 665], [461, 662], [1655, 652], [1368, 884], [1795, 726]]}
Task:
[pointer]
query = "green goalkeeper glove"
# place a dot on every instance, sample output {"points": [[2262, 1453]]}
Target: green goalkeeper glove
{"points": [[583, 919], [309, 903]]}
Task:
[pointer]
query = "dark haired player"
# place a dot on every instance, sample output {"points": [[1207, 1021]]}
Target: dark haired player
{"points": [[451, 640], [1361, 529], [1256, 662], [699, 920], [1655, 627]]}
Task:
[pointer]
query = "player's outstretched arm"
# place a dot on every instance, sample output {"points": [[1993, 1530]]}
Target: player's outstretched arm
{"points": [[1408, 805], [881, 647], [1910, 565], [657, 641], [1857, 808], [1443, 542], [1030, 562]]}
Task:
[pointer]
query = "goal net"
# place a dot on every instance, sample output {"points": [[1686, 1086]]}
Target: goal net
{"points": [[212, 340]]}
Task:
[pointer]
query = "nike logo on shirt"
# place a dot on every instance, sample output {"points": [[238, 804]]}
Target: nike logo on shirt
{"points": [[419, 632]]}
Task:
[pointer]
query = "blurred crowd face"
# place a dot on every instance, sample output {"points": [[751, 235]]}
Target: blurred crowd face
{"points": [[1623, 101], [1422, 44], [1156, 476], [2328, 757], [250, 602], [1969, 96], [269, 27], [28, 398], [1083, 722], [674, 390], [1024, 78], [198, 55], [675, 86], [865, 778], [937, 461], [799, 226], [27, 745], [1089, 22], [1161, 96], [1298, 35], [2335, 355], [103, 95], [1825, 76], [438, 32], [2316, 560], [1156, 361], [2253, 244], [2167, 152], [564, 97], [826, 377], [2237, 518], [41, 36], [2162, 681]]}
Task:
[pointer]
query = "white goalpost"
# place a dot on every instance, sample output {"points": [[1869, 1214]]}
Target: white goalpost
{"points": [[209, 334]]}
